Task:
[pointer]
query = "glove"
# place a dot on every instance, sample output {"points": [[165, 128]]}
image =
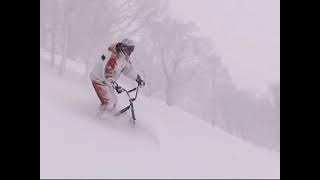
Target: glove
{"points": [[140, 81], [116, 87], [119, 89], [114, 84], [103, 57]]}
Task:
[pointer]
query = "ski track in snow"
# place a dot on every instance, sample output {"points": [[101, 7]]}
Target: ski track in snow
{"points": [[167, 142]]}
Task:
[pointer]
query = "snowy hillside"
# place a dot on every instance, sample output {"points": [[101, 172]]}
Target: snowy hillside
{"points": [[167, 143]]}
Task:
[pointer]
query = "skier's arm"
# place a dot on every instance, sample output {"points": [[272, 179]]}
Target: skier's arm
{"points": [[132, 74], [108, 77], [111, 68], [104, 71]]}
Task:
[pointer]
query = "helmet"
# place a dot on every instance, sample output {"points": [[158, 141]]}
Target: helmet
{"points": [[127, 42], [125, 46]]}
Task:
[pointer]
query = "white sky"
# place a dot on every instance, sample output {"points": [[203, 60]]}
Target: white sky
{"points": [[246, 33]]}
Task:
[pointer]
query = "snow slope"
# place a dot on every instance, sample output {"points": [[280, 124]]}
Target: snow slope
{"points": [[167, 143]]}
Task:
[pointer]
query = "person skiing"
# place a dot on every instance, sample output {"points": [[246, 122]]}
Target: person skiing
{"points": [[105, 73]]}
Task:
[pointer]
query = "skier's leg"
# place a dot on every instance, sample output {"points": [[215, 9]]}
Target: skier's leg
{"points": [[113, 100], [109, 108], [103, 95], [100, 90]]}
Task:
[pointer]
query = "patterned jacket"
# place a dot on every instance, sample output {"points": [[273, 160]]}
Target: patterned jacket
{"points": [[110, 70]]}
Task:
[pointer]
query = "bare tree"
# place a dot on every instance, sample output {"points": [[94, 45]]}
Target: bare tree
{"points": [[98, 23], [53, 31], [171, 39], [275, 90], [68, 9], [44, 21], [215, 65]]}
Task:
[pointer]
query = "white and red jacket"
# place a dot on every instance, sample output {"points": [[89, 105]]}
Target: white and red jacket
{"points": [[110, 70]]}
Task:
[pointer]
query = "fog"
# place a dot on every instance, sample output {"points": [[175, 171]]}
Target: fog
{"points": [[209, 58], [246, 33]]}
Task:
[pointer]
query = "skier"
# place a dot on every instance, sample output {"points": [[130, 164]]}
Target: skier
{"points": [[106, 72]]}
